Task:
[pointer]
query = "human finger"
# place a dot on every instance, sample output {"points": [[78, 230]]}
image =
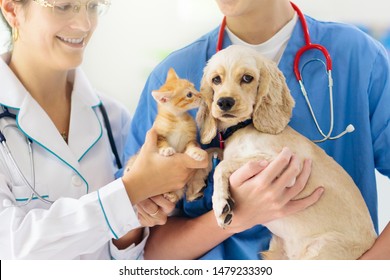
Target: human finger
{"points": [[246, 172], [149, 207], [191, 163], [164, 204], [295, 206], [276, 167], [143, 217], [151, 139], [301, 180], [151, 219], [288, 176]]}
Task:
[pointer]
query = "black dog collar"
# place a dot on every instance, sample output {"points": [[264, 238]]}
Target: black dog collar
{"points": [[222, 136]]}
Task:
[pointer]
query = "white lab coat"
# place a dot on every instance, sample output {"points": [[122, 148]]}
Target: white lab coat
{"points": [[91, 207]]}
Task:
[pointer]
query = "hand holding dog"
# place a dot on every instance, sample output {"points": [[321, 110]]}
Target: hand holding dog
{"points": [[265, 191]]}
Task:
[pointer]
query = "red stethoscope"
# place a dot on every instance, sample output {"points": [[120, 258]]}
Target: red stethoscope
{"points": [[328, 65]]}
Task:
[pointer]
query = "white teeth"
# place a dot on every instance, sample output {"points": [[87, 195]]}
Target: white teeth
{"points": [[72, 40]]}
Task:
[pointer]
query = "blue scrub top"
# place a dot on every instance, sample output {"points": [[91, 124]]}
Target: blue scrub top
{"points": [[361, 96]]}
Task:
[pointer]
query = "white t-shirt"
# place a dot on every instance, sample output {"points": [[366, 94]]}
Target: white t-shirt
{"points": [[275, 46]]}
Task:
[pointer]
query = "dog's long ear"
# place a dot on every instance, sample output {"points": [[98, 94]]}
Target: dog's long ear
{"points": [[204, 119], [274, 103]]}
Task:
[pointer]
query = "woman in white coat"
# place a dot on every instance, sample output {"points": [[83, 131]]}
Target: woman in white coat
{"points": [[71, 206]]}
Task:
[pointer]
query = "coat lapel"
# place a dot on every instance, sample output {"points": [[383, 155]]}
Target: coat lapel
{"points": [[85, 127], [33, 121], [84, 131]]}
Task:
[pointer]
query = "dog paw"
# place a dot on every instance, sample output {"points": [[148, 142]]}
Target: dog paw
{"points": [[196, 153], [167, 151], [223, 210]]}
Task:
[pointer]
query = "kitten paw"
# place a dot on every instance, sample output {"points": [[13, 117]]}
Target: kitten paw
{"points": [[196, 153], [174, 196], [167, 151]]}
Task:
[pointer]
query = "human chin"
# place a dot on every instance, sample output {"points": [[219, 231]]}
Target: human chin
{"points": [[67, 60], [228, 7]]}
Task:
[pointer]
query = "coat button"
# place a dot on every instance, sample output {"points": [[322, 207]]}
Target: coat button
{"points": [[76, 181], [7, 203]]}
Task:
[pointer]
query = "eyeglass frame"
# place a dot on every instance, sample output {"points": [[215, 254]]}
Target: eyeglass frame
{"points": [[46, 4]]}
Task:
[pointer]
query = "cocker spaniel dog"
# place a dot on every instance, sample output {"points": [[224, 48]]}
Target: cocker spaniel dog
{"points": [[246, 97]]}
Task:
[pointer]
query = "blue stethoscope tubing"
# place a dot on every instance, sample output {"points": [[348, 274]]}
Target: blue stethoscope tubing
{"points": [[328, 65]]}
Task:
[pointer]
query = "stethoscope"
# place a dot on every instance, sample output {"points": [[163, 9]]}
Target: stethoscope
{"points": [[328, 66], [31, 185], [7, 152]]}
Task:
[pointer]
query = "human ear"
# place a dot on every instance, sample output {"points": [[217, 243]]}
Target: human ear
{"points": [[9, 10]]}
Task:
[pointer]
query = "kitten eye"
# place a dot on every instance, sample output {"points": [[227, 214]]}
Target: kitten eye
{"points": [[189, 95], [247, 79], [216, 80]]}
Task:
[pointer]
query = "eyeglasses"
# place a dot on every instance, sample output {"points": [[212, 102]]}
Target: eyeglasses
{"points": [[66, 9]]}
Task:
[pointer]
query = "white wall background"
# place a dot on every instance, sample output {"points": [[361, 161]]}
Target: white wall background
{"points": [[135, 35]]}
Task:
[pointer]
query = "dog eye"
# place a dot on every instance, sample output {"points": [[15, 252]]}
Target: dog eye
{"points": [[216, 80], [189, 95], [247, 79]]}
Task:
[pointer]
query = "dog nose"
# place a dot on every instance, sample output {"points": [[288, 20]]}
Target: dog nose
{"points": [[226, 103]]}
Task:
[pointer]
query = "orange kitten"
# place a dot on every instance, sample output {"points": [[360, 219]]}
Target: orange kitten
{"points": [[174, 125], [177, 129]]}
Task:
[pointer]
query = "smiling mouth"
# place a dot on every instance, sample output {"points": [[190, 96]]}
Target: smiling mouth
{"points": [[73, 41]]}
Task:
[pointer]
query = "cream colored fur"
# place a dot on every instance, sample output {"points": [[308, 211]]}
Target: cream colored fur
{"points": [[338, 226]]}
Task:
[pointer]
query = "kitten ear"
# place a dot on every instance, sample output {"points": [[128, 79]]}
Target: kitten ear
{"points": [[172, 75], [161, 96]]}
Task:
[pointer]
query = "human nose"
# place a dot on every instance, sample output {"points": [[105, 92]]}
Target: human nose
{"points": [[82, 19]]}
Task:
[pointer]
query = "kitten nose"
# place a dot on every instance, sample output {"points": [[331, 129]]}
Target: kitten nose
{"points": [[226, 103]]}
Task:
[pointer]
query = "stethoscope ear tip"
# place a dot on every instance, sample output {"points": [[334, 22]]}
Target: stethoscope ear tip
{"points": [[350, 128]]}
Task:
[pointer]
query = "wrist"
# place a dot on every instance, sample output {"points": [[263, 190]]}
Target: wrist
{"points": [[238, 225], [133, 189], [132, 237]]}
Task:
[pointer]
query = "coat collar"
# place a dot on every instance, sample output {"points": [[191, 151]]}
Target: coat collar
{"points": [[85, 128]]}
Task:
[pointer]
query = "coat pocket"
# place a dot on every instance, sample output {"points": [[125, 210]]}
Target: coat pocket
{"points": [[23, 193]]}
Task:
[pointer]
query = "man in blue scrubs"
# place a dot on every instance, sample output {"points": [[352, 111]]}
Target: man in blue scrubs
{"points": [[361, 96]]}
